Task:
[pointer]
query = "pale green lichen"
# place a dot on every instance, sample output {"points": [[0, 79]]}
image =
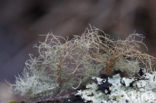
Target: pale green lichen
{"points": [[143, 91], [129, 68], [64, 65], [58, 67]]}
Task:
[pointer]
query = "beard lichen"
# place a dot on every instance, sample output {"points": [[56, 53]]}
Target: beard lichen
{"points": [[61, 68]]}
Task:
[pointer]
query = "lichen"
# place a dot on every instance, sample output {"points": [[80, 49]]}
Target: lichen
{"points": [[64, 65], [142, 91]]}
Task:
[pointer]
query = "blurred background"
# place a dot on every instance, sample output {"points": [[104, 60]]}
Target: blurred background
{"points": [[22, 21]]}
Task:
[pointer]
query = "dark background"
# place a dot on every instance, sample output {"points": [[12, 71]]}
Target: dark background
{"points": [[22, 21]]}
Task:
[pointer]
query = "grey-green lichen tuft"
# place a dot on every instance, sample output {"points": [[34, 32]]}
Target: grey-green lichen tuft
{"points": [[60, 67]]}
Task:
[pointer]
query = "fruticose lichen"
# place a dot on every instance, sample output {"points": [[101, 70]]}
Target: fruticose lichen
{"points": [[64, 65]]}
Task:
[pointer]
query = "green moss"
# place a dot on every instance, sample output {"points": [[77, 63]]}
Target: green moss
{"points": [[12, 101]]}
